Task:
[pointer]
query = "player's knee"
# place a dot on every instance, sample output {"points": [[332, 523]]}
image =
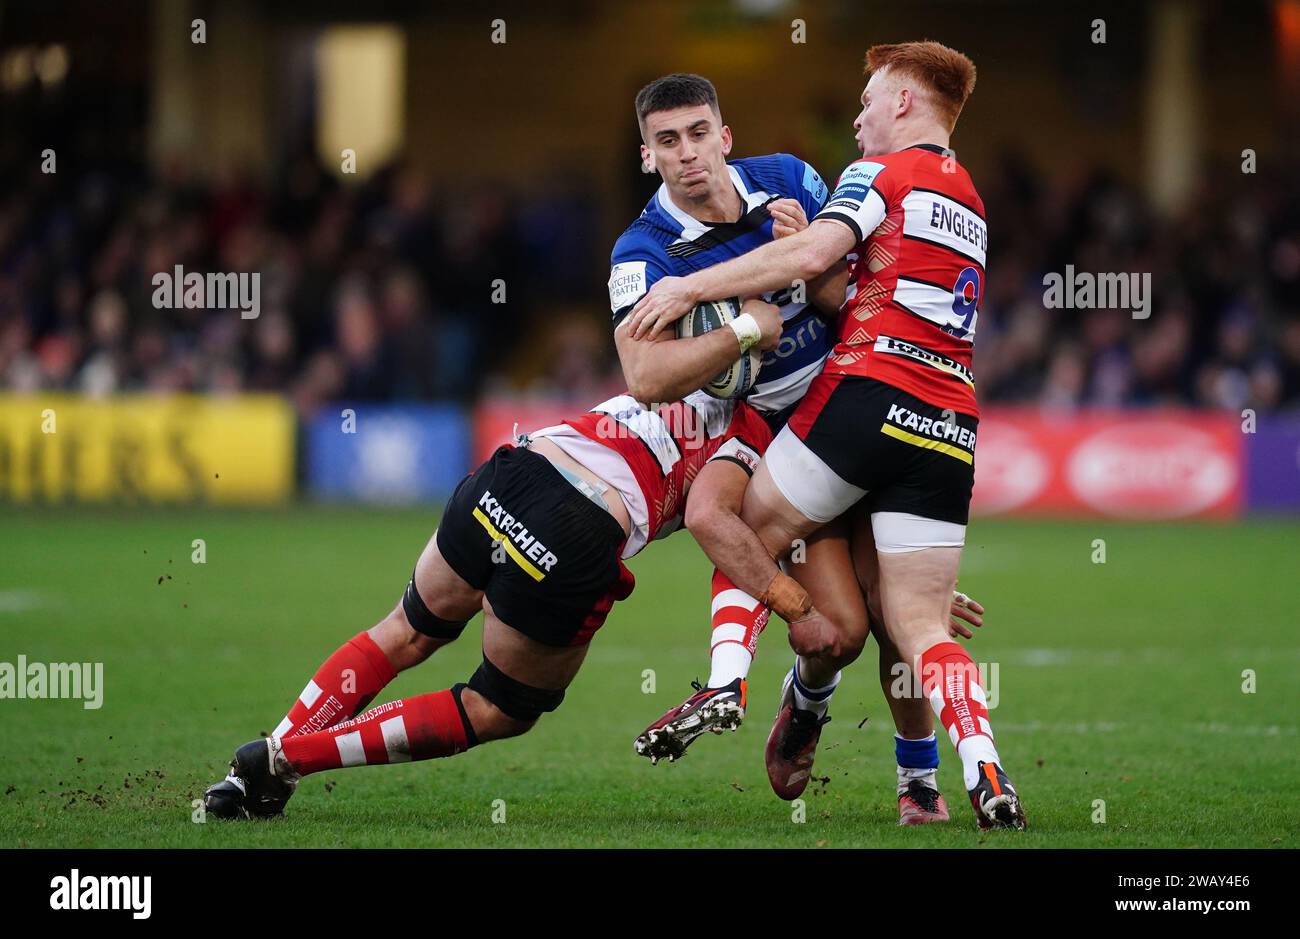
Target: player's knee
{"points": [[491, 723], [436, 629], [850, 634], [402, 646], [510, 707], [913, 641], [851, 645]]}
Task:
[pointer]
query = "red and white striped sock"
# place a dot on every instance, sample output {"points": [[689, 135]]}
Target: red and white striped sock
{"points": [[738, 620], [952, 683], [419, 728], [341, 688]]}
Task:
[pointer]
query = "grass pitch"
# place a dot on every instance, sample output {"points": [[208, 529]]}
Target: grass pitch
{"points": [[1118, 683]]}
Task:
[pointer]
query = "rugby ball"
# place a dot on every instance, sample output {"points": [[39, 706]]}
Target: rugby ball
{"points": [[738, 378]]}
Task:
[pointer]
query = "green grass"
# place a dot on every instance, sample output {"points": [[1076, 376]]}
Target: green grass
{"points": [[1118, 681]]}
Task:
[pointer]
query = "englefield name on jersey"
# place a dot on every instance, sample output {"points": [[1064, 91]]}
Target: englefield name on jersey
{"points": [[960, 223]]}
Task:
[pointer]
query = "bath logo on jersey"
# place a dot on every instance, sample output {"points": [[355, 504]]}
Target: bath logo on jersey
{"points": [[811, 333], [627, 281], [892, 346], [524, 548]]}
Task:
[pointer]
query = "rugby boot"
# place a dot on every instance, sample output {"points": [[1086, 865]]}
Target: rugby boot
{"points": [[711, 710], [791, 745], [921, 804], [995, 801], [252, 789]]}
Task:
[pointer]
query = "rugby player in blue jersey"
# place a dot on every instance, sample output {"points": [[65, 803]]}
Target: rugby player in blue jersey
{"points": [[709, 210]]}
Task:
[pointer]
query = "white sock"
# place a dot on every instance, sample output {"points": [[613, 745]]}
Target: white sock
{"points": [[817, 700], [929, 776], [972, 751], [730, 660]]}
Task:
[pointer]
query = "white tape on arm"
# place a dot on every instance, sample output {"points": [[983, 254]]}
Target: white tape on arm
{"points": [[747, 331]]}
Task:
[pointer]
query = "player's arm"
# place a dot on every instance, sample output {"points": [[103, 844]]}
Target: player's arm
{"points": [[713, 506], [854, 210], [666, 369], [713, 519], [826, 290], [773, 266], [790, 216]]}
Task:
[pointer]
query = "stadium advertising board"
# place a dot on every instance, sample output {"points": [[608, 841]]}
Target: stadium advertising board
{"points": [[495, 421], [1159, 464], [146, 449], [1273, 465], [386, 454]]}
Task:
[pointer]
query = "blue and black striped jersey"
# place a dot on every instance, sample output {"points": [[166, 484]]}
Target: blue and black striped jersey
{"points": [[665, 241]]}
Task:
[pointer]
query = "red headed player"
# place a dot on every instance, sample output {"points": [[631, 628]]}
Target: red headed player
{"points": [[891, 421], [535, 538], [709, 209]]}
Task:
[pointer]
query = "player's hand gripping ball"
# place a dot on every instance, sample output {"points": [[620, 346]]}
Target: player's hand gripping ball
{"points": [[737, 378]]}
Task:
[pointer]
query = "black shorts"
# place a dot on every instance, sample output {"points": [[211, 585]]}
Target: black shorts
{"points": [[909, 456], [547, 557]]}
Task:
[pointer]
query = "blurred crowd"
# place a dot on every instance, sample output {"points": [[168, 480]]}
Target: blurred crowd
{"points": [[382, 290], [386, 289], [1223, 329]]}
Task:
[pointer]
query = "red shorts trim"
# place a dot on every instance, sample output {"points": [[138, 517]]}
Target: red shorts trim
{"points": [[621, 590], [814, 399]]}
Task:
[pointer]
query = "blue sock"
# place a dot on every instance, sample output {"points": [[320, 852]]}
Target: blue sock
{"points": [[817, 700], [920, 754]]}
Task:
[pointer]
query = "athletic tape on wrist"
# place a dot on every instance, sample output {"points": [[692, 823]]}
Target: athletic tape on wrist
{"points": [[786, 598], [747, 331]]}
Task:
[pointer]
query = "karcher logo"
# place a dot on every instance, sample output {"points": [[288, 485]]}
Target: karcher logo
{"points": [[944, 436], [523, 547], [931, 427]]}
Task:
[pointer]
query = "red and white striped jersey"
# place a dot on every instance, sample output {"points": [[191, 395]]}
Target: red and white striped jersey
{"points": [[916, 277], [651, 456]]}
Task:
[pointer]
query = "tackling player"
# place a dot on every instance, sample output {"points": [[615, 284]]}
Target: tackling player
{"points": [[707, 211], [893, 416], [536, 538]]}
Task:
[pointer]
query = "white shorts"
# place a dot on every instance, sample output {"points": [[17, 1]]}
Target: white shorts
{"points": [[807, 483], [821, 495], [901, 532]]}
